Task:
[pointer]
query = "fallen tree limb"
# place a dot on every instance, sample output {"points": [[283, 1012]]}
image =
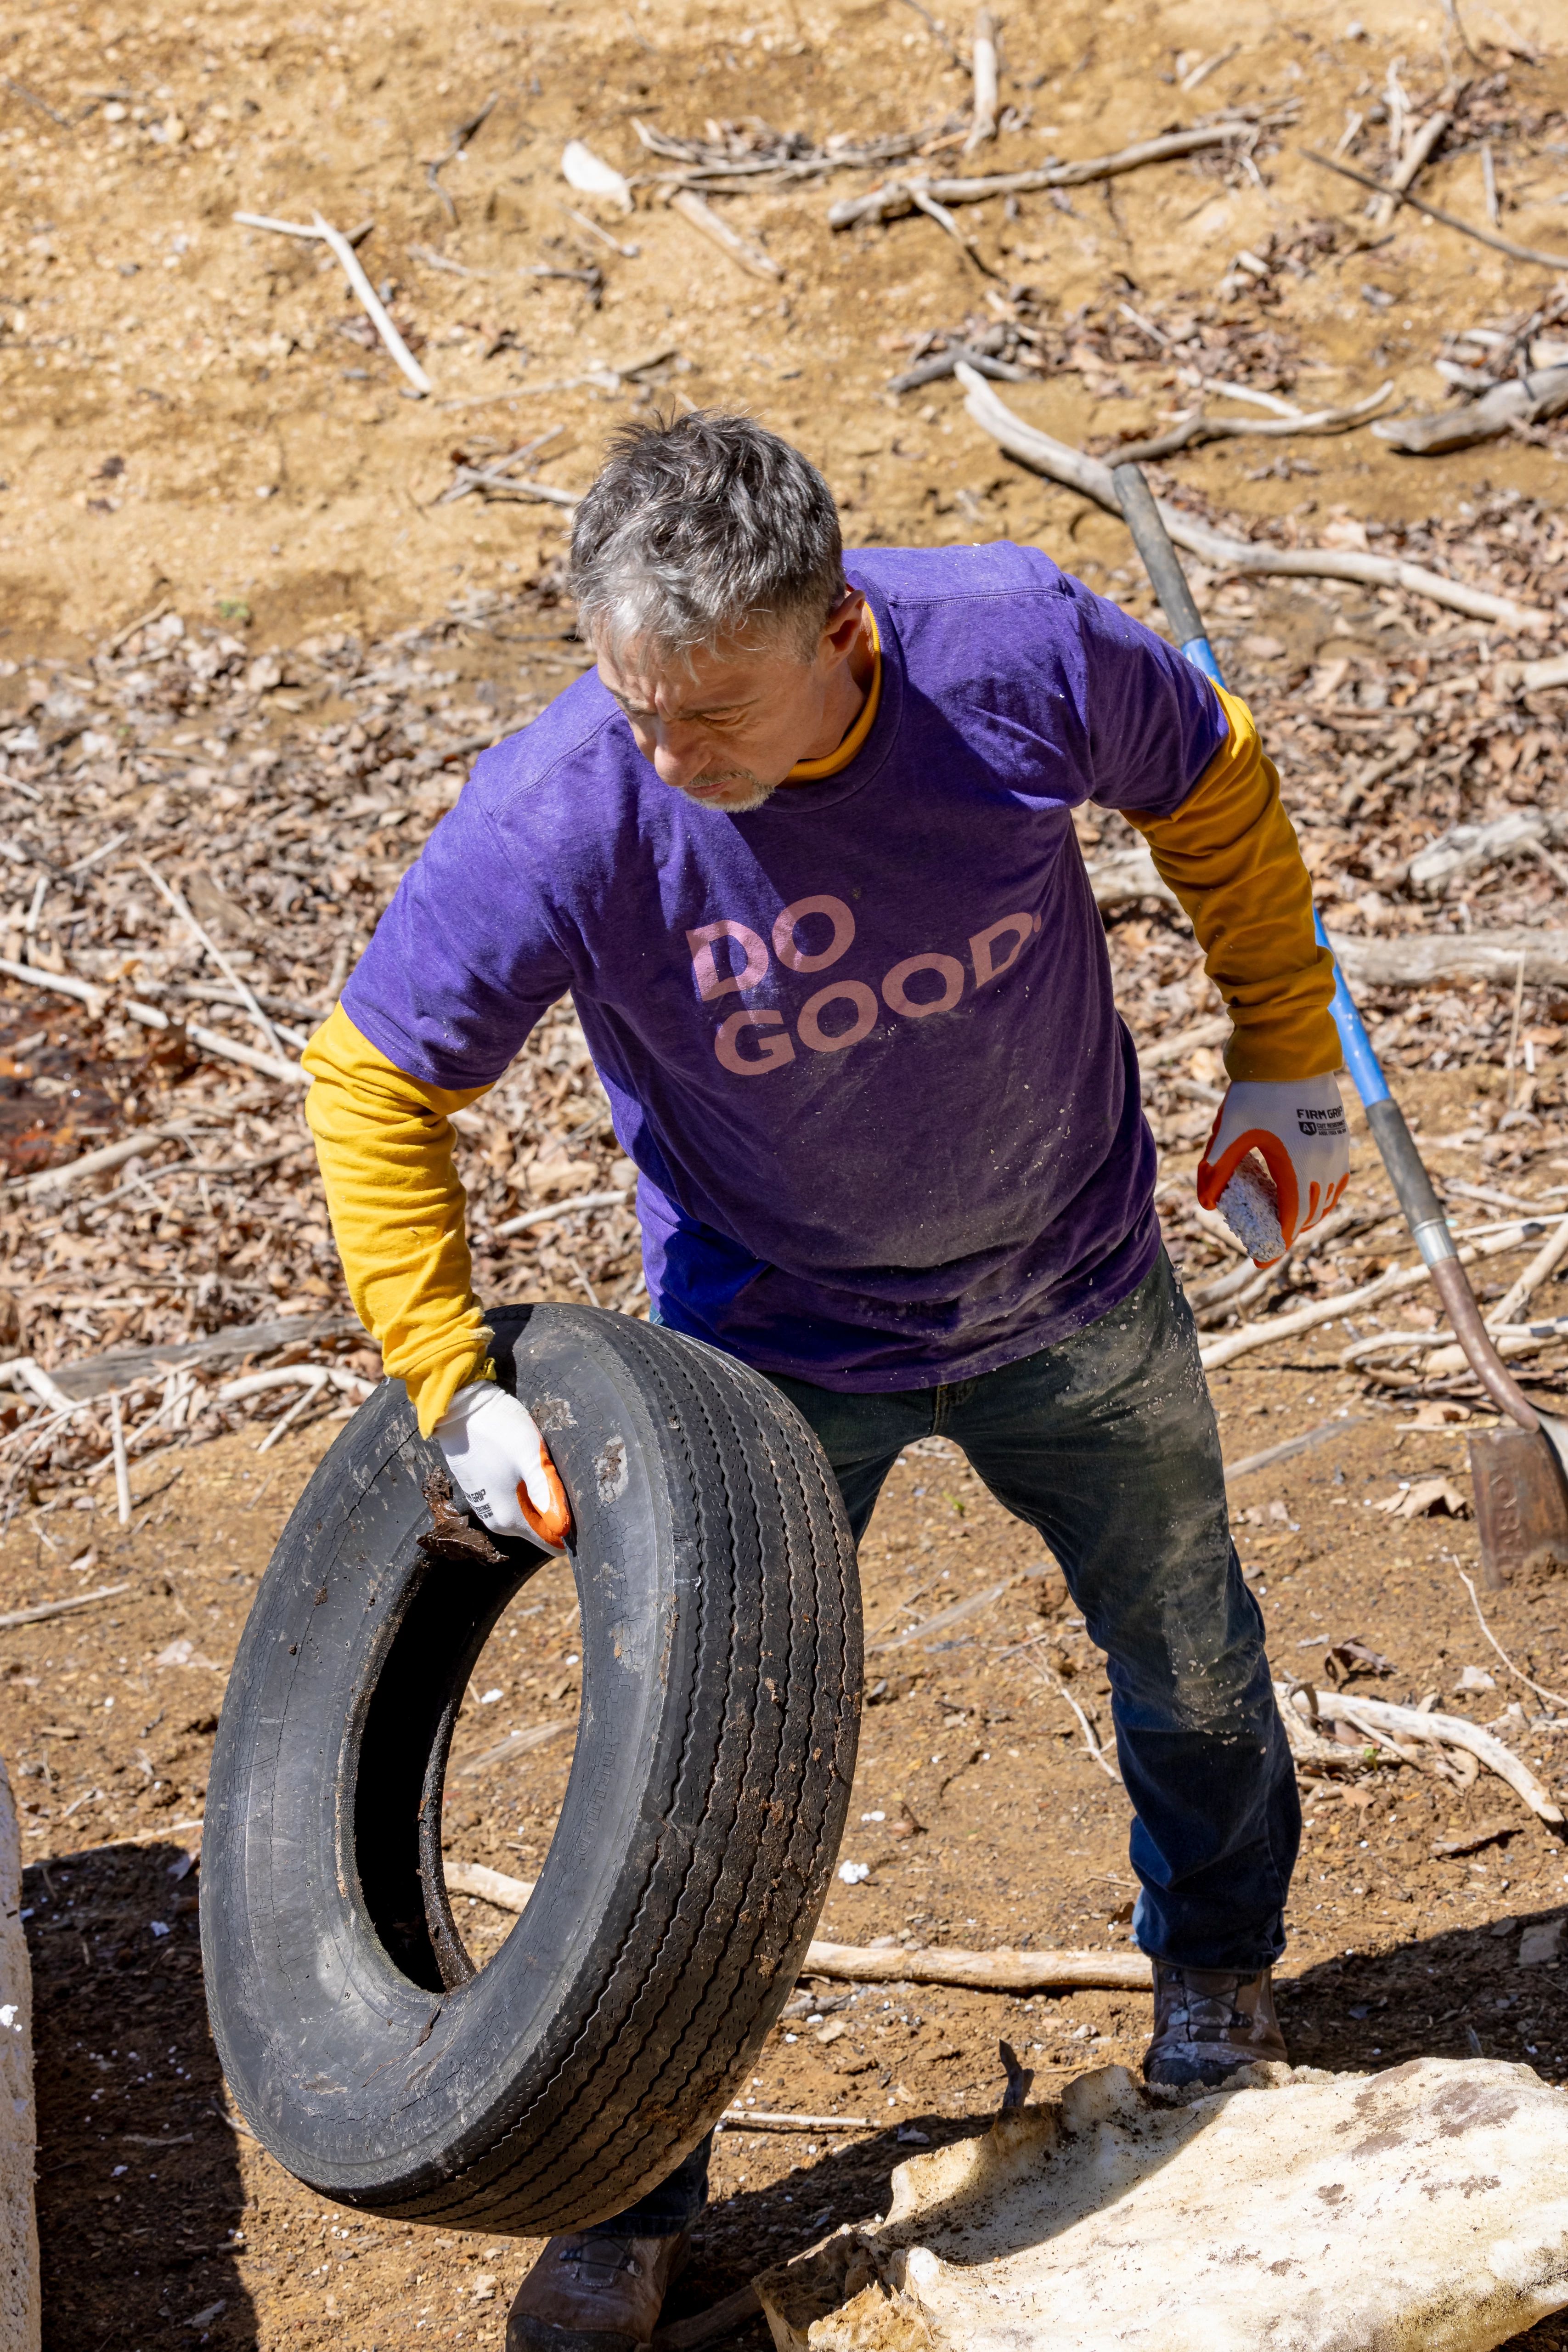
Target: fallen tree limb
{"points": [[1417, 153], [1413, 962], [1527, 400], [1194, 431], [1409, 1723], [897, 197], [349, 260], [1449, 220], [122, 1368], [1397, 1279], [1003, 1971], [1091, 479], [59, 1608], [210, 1041]]}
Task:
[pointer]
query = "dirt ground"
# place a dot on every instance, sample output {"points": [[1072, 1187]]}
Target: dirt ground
{"points": [[195, 423]]}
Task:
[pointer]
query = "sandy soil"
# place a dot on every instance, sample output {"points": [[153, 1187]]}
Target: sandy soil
{"points": [[194, 420]]}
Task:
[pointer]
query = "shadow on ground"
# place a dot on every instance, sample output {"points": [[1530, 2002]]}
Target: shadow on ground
{"points": [[139, 2188]]}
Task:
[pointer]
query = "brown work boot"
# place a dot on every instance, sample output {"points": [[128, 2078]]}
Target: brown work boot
{"points": [[1208, 2023], [595, 2293]]}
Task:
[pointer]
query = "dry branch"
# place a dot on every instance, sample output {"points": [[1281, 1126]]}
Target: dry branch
{"points": [[349, 260], [1410, 1722], [1091, 479], [897, 197], [1527, 400], [1194, 431], [1417, 153], [1411, 961], [740, 249], [60, 1608], [1397, 1279], [1003, 1971], [1449, 220]]}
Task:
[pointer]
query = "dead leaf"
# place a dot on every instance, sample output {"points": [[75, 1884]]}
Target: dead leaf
{"points": [[1428, 1498]]}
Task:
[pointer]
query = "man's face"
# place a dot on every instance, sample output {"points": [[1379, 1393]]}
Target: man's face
{"points": [[726, 727]]}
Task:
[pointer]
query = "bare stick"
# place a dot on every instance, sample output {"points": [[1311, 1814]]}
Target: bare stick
{"points": [[1554, 1698], [1377, 1716], [985, 76], [1417, 151], [1449, 220], [740, 249], [627, 252], [1546, 1261], [1090, 1739], [1413, 962], [59, 1608], [1193, 431], [349, 260], [176, 899], [1092, 478], [897, 197], [1003, 1971], [121, 1467], [559, 1209], [1397, 1279]]}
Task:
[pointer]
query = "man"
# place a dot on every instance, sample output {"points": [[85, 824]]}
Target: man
{"points": [[803, 852]]}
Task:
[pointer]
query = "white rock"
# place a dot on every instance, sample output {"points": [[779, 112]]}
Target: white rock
{"points": [[591, 175], [1307, 2212]]}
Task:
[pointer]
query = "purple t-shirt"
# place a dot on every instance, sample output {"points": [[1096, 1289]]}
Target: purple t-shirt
{"points": [[860, 1043]]}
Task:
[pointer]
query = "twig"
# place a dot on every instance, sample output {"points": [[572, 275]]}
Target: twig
{"points": [[1397, 1279], [984, 70], [1003, 1971], [1547, 1259], [1090, 1739], [121, 1467], [1377, 1716], [59, 1608], [1417, 152], [1413, 962], [1092, 478], [897, 197], [924, 202], [740, 249], [175, 898], [1554, 1698], [627, 252], [1193, 431], [123, 636], [1449, 220], [559, 1209], [938, 33], [349, 260]]}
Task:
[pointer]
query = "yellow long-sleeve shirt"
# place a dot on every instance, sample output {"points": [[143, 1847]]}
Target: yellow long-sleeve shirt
{"points": [[385, 1139]]}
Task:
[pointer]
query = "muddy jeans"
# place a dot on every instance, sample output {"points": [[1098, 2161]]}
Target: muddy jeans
{"points": [[1106, 1446]]}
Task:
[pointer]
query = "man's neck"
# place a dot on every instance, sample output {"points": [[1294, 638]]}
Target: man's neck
{"points": [[845, 701]]}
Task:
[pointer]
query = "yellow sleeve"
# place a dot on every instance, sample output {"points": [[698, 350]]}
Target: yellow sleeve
{"points": [[1231, 855], [384, 1143]]}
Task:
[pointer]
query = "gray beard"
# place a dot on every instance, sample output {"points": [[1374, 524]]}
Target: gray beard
{"points": [[753, 798]]}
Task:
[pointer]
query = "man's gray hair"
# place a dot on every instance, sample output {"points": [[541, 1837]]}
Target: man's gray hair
{"points": [[704, 532]]}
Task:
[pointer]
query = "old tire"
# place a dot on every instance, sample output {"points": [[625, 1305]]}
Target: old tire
{"points": [[715, 1753]]}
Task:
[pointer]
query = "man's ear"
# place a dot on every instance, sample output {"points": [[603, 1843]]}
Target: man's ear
{"points": [[842, 627]]}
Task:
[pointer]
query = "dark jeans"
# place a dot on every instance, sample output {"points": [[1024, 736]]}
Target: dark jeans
{"points": [[1106, 1444]]}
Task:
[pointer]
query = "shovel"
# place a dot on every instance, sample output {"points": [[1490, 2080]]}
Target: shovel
{"points": [[1522, 1489]]}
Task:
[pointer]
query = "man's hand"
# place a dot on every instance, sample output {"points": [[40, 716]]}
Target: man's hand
{"points": [[1297, 1127], [497, 1456]]}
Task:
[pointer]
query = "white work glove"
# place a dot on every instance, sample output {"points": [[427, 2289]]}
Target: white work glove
{"points": [[1296, 1126], [497, 1456]]}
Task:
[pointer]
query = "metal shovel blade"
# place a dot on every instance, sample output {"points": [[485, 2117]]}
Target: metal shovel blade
{"points": [[1521, 1498]]}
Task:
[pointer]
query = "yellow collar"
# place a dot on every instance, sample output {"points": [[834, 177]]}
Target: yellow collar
{"points": [[812, 772]]}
